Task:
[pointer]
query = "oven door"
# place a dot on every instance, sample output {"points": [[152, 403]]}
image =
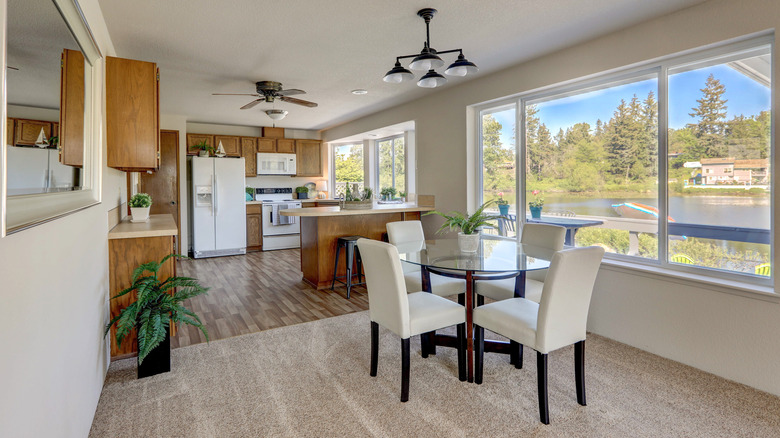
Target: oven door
{"points": [[274, 224]]}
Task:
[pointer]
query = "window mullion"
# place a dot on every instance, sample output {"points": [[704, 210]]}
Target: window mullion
{"points": [[663, 165]]}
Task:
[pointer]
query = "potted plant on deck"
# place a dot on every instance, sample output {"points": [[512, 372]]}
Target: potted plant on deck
{"points": [[503, 205], [303, 192], [157, 304], [469, 225], [203, 148], [536, 204], [140, 204]]}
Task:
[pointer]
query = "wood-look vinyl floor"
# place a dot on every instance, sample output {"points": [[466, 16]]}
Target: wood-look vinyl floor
{"points": [[258, 291]]}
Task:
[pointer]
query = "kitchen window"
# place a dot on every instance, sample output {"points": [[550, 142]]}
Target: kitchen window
{"points": [[391, 163], [348, 167], [629, 150]]}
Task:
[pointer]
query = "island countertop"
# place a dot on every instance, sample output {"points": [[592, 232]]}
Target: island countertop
{"points": [[336, 211]]}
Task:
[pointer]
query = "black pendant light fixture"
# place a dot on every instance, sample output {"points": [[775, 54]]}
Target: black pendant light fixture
{"points": [[429, 59]]}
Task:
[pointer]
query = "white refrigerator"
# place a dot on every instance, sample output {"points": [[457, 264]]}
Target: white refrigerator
{"points": [[218, 207]]}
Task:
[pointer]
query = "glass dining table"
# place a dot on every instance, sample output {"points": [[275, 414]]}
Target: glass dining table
{"points": [[495, 259]]}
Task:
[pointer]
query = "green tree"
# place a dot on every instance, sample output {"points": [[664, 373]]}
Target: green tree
{"points": [[498, 161], [348, 163], [711, 113], [624, 140]]}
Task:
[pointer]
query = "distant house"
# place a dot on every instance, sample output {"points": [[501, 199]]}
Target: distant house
{"points": [[731, 171]]}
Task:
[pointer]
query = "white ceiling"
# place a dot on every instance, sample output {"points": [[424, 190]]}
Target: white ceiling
{"points": [[331, 47]]}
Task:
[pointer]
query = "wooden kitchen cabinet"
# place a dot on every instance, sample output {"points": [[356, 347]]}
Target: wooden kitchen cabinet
{"points": [[193, 139], [249, 153], [132, 114], [70, 129], [9, 131], [309, 157], [231, 144], [26, 131], [285, 146], [254, 240]]}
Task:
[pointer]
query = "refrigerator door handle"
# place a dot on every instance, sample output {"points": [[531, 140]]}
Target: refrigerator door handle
{"points": [[216, 196], [213, 195]]}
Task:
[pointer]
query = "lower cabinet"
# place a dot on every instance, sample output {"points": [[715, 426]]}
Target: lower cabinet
{"points": [[254, 234]]}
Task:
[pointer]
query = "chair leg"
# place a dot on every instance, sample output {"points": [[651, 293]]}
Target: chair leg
{"points": [[541, 370], [579, 371], [404, 370], [424, 341], [480, 300], [462, 352], [335, 267], [479, 353], [350, 260], [462, 299], [516, 354], [359, 265], [374, 347], [432, 342]]}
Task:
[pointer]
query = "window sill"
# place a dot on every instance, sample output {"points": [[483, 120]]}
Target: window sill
{"points": [[732, 287]]}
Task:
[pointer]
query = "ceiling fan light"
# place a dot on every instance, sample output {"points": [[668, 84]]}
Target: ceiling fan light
{"points": [[276, 114], [398, 74], [461, 67], [431, 80], [426, 61]]}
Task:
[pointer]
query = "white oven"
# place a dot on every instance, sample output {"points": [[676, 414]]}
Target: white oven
{"points": [[280, 232], [275, 164]]}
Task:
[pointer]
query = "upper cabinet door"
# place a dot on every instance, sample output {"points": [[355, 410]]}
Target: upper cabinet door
{"points": [[266, 145], [193, 139], [28, 131], [71, 126], [231, 144], [249, 152], [309, 157], [132, 114], [9, 132], [285, 145]]}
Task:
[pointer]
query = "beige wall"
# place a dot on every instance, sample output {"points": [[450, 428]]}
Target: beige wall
{"points": [[54, 295], [729, 335]]}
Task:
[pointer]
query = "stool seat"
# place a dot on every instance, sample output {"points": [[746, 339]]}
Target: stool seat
{"points": [[349, 243]]}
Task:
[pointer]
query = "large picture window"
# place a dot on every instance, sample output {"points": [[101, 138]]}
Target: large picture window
{"points": [[391, 163], [670, 165], [347, 167]]}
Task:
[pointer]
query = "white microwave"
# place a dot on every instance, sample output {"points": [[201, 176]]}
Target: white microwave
{"points": [[275, 164]]}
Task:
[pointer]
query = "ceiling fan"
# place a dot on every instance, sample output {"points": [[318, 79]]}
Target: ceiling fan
{"points": [[268, 91]]}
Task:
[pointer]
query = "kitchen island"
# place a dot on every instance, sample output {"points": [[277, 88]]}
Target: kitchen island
{"points": [[322, 226]]}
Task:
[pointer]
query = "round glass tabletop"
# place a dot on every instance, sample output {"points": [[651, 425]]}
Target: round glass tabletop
{"points": [[493, 255]]}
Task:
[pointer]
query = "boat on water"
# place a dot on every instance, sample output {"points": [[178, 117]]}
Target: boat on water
{"points": [[635, 210]]}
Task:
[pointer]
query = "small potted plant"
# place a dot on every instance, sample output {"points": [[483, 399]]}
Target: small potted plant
{"points": [[503, 205], [303, 192], [469, 225], [536, 204], [403, 196], [388, 193], [157, 304], [203, 148], [140, 204]]}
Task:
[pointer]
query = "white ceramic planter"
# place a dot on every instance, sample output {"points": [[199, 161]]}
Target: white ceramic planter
{"points": [[140, 214], [468, 242], [203, 153]]}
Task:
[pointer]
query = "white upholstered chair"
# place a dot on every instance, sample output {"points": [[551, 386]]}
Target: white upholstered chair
{"points": [[405, 314], [405, 232], [539, 240], [557, 321]]}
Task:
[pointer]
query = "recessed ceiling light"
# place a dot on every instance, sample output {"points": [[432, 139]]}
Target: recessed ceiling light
{"points": [[359, 91]]}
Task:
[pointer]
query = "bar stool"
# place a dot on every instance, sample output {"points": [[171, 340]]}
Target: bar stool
{"points": [[349, 243]]}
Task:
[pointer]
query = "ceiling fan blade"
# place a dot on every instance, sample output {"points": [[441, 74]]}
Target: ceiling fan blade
{"points": [[234, 94], [298, 101], [252, 104], [290, 92]]}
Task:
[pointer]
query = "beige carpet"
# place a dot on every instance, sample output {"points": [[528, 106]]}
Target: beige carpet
{"points": [[312, 380]]}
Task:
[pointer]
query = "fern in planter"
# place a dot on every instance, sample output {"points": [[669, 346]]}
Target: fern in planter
{"points": [[467, 224], [155, 307]]}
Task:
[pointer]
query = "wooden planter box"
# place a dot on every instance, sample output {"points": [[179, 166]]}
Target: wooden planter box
{"points": [[357, 205]]}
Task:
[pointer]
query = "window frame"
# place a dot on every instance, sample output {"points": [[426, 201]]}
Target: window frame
{"points": [[332, 153], [392, 138], [716, 54]]}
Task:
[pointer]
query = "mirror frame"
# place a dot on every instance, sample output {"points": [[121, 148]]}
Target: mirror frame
{"points": [[19, 213]]}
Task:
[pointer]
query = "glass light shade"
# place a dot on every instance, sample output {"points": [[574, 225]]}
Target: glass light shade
{"points": [[461, 67], [426, 61], [431, 80], [276, 114], [398, 74]]}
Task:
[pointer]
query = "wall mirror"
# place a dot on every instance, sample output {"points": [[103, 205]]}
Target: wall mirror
{"points": [[50, 150]]}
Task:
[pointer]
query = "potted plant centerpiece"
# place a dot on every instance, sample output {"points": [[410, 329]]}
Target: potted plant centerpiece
{"points": [[203, 148], [469, 225], [388, 193], [157, 304], [303, 192], [503, 205], [358, 201], [140, 204], [536, 204]]}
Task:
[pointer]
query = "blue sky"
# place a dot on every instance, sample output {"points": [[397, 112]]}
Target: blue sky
{"points": [[744, 96]]}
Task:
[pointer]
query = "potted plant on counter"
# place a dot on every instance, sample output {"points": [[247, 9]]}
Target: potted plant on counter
{"points": [[536, 204], [388, 193], [203, 148], [140, 204], [303, 192], [468, 225], [157, 304]]}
